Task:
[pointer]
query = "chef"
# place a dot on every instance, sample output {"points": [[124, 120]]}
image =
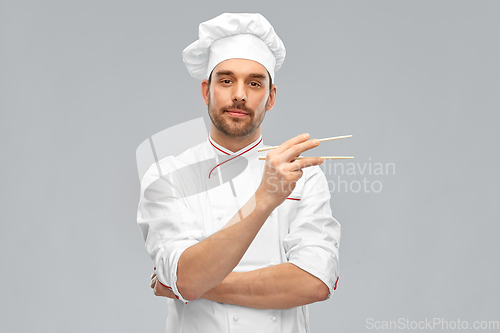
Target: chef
{"points": [[239, 244]]}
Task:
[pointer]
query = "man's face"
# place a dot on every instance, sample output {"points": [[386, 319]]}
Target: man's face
{"points": [[238, 97]]}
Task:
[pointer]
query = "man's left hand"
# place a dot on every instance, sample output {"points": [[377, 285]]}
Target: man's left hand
{"points": [[159, 289]]}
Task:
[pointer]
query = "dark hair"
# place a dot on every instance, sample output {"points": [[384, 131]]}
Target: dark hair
{"points": [[270, 80]]}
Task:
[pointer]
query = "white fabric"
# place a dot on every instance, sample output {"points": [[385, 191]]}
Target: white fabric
{"points": [[197, 55], [302, 232], [243, 46]]}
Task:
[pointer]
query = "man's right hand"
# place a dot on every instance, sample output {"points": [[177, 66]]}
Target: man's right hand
{"points": [[282, 170]]}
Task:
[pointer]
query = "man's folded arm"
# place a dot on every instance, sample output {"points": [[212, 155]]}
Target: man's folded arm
{"points": [[280, 286]]}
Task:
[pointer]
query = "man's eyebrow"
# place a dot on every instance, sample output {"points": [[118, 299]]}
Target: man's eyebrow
{"points": [[258, 76], [254, 75], [219, 73]]}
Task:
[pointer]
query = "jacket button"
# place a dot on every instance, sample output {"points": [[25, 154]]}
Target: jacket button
{"points": [[235, 318], [273, 318]]}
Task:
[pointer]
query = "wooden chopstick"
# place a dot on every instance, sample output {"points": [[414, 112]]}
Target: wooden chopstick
{"points": [[323, 157], [320, 140]]}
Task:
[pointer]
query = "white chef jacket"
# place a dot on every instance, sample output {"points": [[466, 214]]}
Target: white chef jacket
{"points": [[301, 231]]}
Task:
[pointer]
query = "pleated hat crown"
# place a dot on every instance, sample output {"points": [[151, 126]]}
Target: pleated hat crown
{"points": [[229, 36]]}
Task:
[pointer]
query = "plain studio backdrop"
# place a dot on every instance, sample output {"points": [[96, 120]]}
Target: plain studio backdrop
{"points": [[83, 83]]}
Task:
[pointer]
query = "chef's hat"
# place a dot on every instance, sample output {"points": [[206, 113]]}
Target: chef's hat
{"points": [[228, 36]]}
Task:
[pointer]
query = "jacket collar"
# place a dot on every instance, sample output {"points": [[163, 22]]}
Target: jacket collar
{"points": [[248, 150]]}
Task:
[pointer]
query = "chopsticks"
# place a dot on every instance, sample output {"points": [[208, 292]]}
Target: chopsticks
{"points": [[320, 140], [323, 157]]}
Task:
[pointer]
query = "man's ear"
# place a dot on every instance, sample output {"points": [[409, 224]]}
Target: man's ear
{"points": [[205, 91], [272, 98]]}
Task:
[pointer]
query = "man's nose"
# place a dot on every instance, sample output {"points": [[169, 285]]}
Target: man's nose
{"points": [[239, 93]]}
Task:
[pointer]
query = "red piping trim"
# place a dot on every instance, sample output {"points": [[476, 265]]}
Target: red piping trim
{"points": [[335, 287], [255, 145], [218, 148], [164, 285], [293, 199]]}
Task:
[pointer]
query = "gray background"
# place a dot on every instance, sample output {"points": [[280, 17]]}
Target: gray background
{"points": [[83, 83]]}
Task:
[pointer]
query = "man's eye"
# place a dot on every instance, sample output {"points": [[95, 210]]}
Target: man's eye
{"points": [[255, 84], [226, 81]]}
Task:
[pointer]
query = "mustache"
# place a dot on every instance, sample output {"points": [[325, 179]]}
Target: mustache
{"points": [[241, 107]]}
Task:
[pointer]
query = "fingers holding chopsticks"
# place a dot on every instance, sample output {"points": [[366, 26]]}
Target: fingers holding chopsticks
{"points": [[290, 149], [288, 152], [294, 151], [282, 169], [290, 143]]}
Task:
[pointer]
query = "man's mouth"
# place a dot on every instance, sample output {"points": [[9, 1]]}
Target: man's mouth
{"points": [[237, 113]]}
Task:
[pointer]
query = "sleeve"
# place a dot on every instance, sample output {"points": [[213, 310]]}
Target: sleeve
{"points": [[313, 240], [167, 225]]}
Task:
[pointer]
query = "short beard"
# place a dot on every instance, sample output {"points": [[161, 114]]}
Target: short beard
{"points": [[235, 131]]}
